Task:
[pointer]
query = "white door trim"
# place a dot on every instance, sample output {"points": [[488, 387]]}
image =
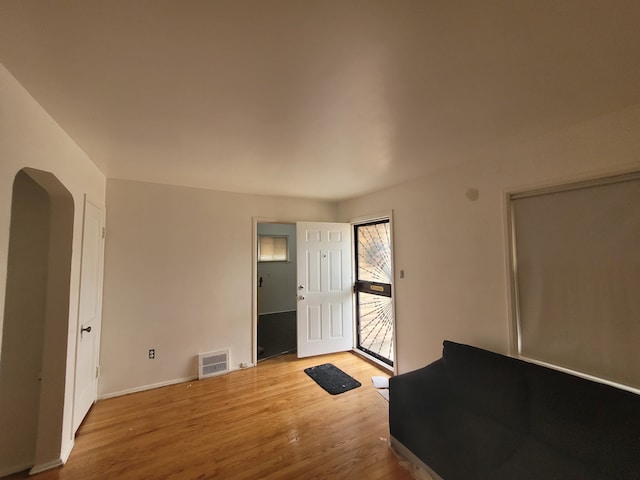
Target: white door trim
{"points": [[254, 277], [97, 328]]}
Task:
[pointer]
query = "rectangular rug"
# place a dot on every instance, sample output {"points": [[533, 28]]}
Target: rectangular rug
{"points": [[332, 379]]}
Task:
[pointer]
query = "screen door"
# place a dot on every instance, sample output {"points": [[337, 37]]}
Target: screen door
{"points": [[374, 274]]}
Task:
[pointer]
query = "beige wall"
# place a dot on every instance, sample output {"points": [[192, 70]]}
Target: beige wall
{"points": [[178, 278], [30, 138], [178, 260], [453, 250]]}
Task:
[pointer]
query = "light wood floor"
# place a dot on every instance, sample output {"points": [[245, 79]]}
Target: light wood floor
{"points": [[271, 421]]}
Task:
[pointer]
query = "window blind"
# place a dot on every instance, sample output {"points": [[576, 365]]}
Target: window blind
{"points": [[577, 277], [273, 248]]}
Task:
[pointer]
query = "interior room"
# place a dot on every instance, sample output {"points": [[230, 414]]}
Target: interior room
{"points": [[148, 140]]}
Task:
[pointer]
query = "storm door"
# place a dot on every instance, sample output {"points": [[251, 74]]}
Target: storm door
{"points": [[373, 290]]}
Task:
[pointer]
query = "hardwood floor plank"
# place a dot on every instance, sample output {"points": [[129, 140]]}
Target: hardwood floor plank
{"points": [[268, 422]]}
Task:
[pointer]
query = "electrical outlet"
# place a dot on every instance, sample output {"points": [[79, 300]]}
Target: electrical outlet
{"points": [[152, 353]]}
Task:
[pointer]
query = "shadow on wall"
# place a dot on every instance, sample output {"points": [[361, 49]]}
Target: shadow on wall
{"points": [[36, 321]]}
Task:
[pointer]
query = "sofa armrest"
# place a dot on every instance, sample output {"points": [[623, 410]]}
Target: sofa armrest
{"points": [[415, 392], [427, 385]]}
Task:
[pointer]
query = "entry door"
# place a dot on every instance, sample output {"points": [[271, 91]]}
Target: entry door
{"points": [[89, 312], [325, 297]]}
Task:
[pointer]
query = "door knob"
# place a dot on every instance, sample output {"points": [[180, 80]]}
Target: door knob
{"points": [[301, 297], [301, 287], [85, 329]]}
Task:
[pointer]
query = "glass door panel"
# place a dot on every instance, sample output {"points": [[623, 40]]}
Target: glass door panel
{"points": [[374, 308]]}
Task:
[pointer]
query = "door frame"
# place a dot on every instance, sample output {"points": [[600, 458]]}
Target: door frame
{"points": [[387, 215], [254, 284]]}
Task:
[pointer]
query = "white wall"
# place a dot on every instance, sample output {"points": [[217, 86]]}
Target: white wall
{"points": [[29, 137], [178, 278], [278, 290], [453, 249]]}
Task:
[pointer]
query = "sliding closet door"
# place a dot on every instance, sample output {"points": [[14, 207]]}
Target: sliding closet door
{"points": [[577, 274]]}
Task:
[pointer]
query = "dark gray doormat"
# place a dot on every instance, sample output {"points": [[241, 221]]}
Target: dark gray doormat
{"points": [[332, 379]]}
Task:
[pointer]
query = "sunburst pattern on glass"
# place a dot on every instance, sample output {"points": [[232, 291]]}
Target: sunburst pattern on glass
{"points": [[376, 313], [376, 324], [374, 253]]}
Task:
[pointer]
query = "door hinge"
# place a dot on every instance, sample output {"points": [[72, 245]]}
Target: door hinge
{"points": [[97, 371], [104, 232]]}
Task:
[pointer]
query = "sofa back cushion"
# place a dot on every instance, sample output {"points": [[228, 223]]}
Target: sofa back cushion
{"points": [[487, 383], [595, 423]]}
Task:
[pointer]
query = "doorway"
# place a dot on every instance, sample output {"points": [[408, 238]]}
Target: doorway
{"points": [[36, 321], [276, 277], [373, 290]]}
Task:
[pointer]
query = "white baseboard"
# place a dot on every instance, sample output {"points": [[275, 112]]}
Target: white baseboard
{"points": [[146, 387], [15, 469], [46, 466], [66, 451], [419, 470], [33, 469]]}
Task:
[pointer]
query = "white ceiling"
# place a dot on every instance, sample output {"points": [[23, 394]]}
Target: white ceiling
{"points": [[315, 98]]}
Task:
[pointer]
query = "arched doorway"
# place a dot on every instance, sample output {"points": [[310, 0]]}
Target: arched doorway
{"points": [[36, 320]]}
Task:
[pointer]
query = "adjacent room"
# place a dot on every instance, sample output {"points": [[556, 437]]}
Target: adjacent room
{"points": [[248, 190]]}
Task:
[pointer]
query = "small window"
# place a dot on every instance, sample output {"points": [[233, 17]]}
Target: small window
{"points": [[272, 248]]}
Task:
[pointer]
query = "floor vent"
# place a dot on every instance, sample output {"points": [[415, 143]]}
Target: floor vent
{"points": [[213, 364]]}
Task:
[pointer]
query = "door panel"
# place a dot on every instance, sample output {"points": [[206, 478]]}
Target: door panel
{"points": [[337, 320], [89, 312], [335, 275], [313, 275], [314, 322], [324, 293]]}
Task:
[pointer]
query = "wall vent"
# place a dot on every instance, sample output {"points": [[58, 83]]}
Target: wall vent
{"points": [[213, 364]]}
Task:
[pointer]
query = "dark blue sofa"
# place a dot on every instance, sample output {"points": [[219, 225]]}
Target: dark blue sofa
{"points": [[475, 414]]}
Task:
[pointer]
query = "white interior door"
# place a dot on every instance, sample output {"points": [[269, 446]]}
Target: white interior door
{"points": [[89, 312], [325, 295]]}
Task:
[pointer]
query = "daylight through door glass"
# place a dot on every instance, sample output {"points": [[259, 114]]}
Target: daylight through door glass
{"points": [[373, 290]]}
